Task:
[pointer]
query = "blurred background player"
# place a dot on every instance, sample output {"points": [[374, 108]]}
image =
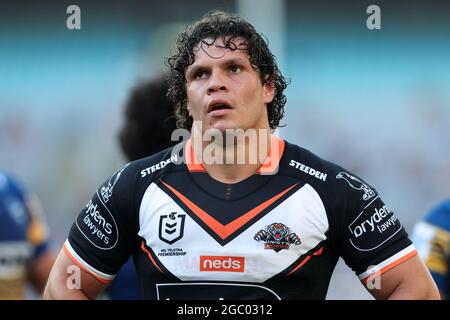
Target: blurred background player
{"points": [[25, 254], [432, 239], [147, 128], [148, 120]]}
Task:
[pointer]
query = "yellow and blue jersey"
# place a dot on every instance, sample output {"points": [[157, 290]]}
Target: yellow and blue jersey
{"points": [[432, 239], [23, 237]]}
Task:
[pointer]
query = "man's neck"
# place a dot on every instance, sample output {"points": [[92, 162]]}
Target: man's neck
{"points": [[233, 162]]}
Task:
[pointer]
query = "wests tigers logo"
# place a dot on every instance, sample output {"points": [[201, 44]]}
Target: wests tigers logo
{"points": [[277, 236]]}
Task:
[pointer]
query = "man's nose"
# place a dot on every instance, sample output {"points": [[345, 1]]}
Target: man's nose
{"points": [[216, 83]]}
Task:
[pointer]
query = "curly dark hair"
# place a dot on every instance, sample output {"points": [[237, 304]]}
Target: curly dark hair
{"points": [[148, 120], [226, 27]]}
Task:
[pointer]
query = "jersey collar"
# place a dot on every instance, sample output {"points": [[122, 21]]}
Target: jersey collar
{"points": [[270, 165]]}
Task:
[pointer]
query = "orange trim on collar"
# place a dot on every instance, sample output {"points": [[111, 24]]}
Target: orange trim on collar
{"points": [[269, 166], [191, 160]]}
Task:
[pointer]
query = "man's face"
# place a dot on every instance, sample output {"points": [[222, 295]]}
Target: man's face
{"points": [[224, 91]]}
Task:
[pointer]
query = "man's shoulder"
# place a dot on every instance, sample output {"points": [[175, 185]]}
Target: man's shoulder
{"points": [[139, 174], [9, 184], [323, 175], [153, 166], [14, 218], [307, 165], [440, 215]]}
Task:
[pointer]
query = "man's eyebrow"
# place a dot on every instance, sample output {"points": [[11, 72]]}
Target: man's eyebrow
{"points": [[234, 61], [194, 69]]}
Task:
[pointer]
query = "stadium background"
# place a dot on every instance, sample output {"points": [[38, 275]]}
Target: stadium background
{"points": [[375, 101]]}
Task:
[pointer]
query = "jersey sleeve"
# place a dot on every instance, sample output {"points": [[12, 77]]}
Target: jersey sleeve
{"points": [[371, 237], [102, 236]]}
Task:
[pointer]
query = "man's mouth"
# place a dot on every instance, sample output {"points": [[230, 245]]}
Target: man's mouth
{"points": [[218, 105]]}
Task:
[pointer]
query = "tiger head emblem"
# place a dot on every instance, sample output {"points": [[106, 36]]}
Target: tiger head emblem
{"points": [[277, 236]]}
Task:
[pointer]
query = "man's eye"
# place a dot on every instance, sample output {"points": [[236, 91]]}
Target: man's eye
{"points": [[199, 75], [235, 68]]}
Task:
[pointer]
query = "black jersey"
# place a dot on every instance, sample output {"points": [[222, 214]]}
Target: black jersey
{"points": [[270, 236]]}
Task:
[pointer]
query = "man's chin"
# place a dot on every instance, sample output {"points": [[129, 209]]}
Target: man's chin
{"points": [[223, 126]]}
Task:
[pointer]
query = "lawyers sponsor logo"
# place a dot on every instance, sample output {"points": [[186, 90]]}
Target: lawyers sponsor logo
{"points": [[277, 237], [357, 184], [222, 263], [98, 227], [375, 225]]}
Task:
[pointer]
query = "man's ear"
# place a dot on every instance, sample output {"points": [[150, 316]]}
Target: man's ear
{"points": [[189, 109], [269, 91]]}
